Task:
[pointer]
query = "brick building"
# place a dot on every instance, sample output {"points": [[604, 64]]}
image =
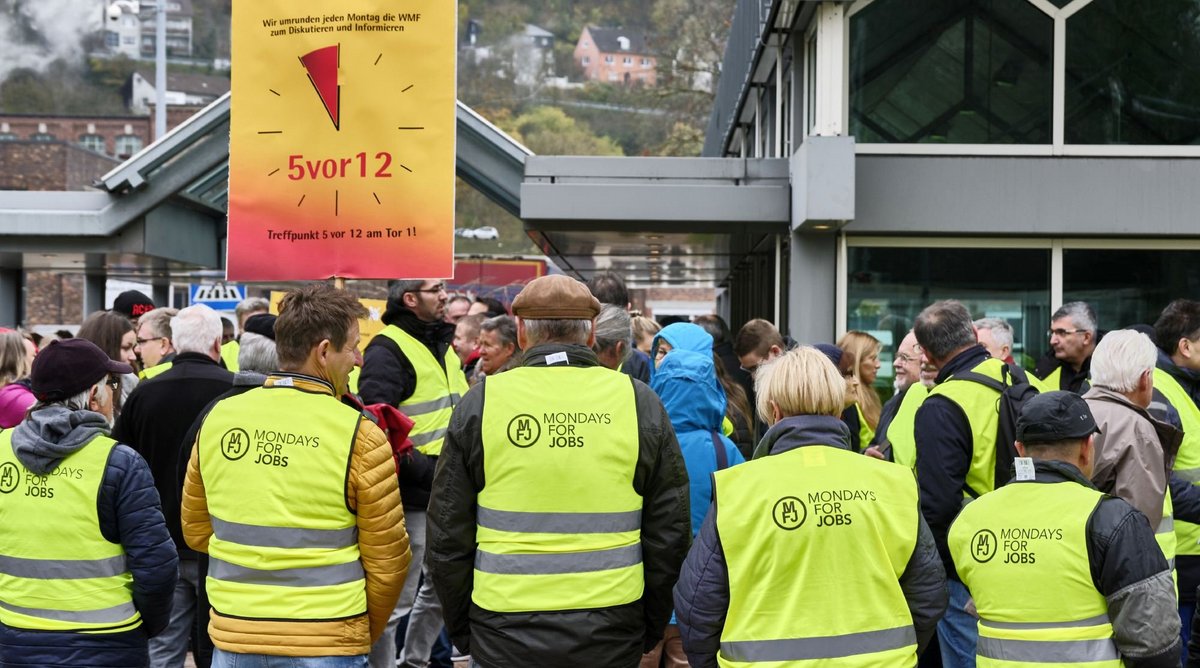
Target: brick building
{"points": [[616, 55], [115, 136]]}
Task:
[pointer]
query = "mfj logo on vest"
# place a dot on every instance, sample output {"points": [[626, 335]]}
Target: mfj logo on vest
{"points": [[10, 477], [566, 430]]}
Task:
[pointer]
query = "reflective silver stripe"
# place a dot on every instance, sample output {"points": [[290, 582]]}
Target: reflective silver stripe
{"points": [[113, 615], [316, 576], [1048, 651], [823, 647], [1091, 621], [508, 520], [1167, 525], [428, 406], [428, 437], [61, 569], [1190, 475], [263, 536], [569, 562]]}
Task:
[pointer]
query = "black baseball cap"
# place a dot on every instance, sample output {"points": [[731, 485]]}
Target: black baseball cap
{"points": [[1055, 416], [65, 368], [132, 304]]}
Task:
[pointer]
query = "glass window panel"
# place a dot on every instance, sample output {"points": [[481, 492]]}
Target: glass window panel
{"points": [[1127, 287], [941, 71], [1133, 73], [888, 287]]}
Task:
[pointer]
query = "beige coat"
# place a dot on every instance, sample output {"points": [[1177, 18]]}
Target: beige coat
{"points": [[372, 492], [1134, 452]]}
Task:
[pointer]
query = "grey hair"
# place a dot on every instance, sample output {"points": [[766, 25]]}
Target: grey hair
{"points": [[78, 402], [613, 325], [398, 289], [1002, 332], [195, 329], [505, 328], [1080, 313], [1121, 358], [556, 331], [159, 320], [257, 353], [251, 305], [944, 327]]}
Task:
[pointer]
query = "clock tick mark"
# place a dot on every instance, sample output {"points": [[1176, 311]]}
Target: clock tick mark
{"points": [[406, 169], [274, 172], [270, 132], [376, 198], [275, 91], [301, 200], [411, 127], [377, 58], [405, 90], [335, 202]]}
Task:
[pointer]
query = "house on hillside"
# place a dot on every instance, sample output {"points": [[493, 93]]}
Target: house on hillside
{"points": [[192, 90], [616, 55], [123, 28], [179, 28]]}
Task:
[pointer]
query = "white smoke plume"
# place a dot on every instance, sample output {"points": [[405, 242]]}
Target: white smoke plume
{"points": [[33, 33]]}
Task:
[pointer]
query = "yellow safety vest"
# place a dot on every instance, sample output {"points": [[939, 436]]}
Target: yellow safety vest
{"points": [[900, 429], [285, 545], [229, 354], [57, 570], [865, 433], [1022, 552], [1187, 461], [439, 389], [1048, 384], [816, 540], [146, 374], [981, 406], [559, 522]]}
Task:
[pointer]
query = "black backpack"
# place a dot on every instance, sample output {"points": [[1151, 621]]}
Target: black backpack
{"points": [[1015, 389]]}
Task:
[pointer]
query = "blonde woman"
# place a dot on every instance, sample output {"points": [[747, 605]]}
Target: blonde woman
{"points": [[837, 539], [865, 411], [644, 330], [16, 360]]}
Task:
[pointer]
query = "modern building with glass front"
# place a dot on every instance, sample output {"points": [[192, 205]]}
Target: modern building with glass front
{"points": [[1013, 154]]}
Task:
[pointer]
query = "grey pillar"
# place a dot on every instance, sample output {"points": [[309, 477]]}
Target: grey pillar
{"points": [[812, 292], [93, 293], [12, 298], [161, 292]]}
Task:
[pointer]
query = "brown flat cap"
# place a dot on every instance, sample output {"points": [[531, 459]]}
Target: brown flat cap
{"points": [[556, 297]]}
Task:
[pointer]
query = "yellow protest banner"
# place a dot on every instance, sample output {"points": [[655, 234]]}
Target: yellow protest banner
{"points": [[341, 157]]}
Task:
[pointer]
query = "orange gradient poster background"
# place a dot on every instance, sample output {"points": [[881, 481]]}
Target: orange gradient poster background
{"points": [[341, 156]]}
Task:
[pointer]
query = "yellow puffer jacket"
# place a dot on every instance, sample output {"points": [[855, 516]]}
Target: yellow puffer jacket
{"points": [[372, 492]]}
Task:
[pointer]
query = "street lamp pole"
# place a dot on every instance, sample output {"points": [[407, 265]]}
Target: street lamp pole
{"points": [[160, 71]]}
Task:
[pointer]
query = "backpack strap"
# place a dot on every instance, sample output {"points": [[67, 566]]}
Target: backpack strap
{"points": [[722, 458], [981, 379]]}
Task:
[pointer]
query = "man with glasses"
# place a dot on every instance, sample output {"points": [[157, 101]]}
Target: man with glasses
{"points": [[1073, 337], [88, 564], [894, 436], [154, 343], [412, 364]]}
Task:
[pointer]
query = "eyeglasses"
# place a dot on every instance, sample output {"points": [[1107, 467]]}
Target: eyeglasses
{"points": [[441, 287], [142, 342], [905, 358], [1064, 332], [114, 382]]}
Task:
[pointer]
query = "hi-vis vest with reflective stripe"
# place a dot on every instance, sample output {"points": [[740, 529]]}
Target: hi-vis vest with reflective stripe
{"points": [[1187, 462], [816, 540], [981, 406], [559, 522], [900, 429], [57, 571], [1022, 551], [437, 392], [284, 546]]}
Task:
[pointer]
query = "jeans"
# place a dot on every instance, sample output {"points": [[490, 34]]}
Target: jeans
{"points": [[1186, 612], [223, 659], [383, 652], [958, 632], [424, 625], [169, 648]]}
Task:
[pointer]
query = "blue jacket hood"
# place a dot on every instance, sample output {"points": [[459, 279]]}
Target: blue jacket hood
{"points": [[686, 379]]}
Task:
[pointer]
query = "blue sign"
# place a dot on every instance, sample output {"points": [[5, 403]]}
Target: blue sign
{"points": [[219, 297]]}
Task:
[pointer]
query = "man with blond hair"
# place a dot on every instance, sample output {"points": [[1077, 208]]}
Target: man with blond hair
{"points": [[1134, 452]]}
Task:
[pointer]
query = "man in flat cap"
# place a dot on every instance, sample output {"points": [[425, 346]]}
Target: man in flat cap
{"points": [[559, 516], [1060, 572], [87, 567]]}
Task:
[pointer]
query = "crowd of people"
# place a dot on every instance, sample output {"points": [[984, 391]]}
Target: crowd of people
{"points": [[565, 482]]}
